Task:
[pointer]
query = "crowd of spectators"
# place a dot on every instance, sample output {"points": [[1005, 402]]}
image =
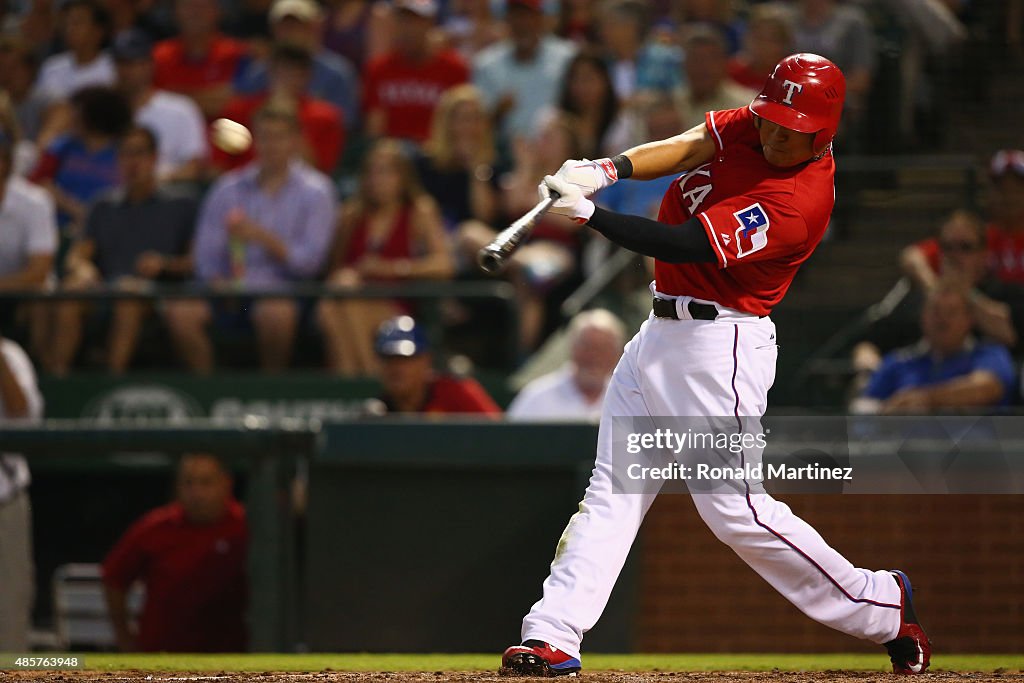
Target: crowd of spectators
{"points": [[392, 139], [949, 345]]}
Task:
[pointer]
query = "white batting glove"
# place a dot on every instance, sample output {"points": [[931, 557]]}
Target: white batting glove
{"points": [[589, 176], [571, 202]]}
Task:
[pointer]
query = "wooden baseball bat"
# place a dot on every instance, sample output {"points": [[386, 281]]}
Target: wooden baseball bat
{"points": [[494, 257]]}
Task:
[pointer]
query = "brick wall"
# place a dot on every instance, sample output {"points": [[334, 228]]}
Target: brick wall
{"points": [[965, 555]]}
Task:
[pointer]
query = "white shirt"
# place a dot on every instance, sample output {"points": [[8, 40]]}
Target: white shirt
{"points": [[28, 225], [554, 397], [534, 84], [14, 475], [179, 128], [61, 76]]}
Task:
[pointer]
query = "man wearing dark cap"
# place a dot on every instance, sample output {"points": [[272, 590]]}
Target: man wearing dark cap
{"points": [[174, 119], [410, 383], [402, 87]]}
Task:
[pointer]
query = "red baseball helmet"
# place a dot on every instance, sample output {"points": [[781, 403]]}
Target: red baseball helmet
{"points": [[805, 93]]}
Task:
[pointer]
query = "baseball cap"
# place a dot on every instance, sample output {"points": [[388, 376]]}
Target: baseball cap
{"points": [[424, 8], [303, 10], [1006, 161], [131, 45], [401, 337]]}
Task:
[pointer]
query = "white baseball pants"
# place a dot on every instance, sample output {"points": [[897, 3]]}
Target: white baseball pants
{"points": [[701, 368]]}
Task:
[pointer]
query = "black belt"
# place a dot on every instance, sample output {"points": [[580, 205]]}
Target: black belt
{"points": [[666, 308]]}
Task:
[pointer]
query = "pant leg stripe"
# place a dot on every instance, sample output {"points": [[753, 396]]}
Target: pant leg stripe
{"points": [[750, 504]]}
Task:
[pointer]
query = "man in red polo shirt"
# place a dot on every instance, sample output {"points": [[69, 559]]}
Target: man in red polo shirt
{"points": [[201, 62], [191, 557], [410, 383], [402, 87]]}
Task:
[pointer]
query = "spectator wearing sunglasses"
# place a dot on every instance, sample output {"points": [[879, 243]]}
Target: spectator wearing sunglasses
{"points": [[960, 254], [958, 257]]}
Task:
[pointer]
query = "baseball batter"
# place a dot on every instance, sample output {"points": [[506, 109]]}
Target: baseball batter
{"points": [[752, 203]]}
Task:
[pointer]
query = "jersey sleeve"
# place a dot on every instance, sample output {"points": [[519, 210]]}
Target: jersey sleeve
{"points": [[748, 229], [727, 126]]}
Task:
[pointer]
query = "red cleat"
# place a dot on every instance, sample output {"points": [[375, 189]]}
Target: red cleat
{"points": [[537, 658], [910, 651]]}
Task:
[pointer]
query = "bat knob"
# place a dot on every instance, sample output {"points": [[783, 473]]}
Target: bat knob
{"points": [[490, 259]]}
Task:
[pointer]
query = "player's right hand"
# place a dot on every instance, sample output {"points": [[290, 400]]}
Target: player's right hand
{"points": [[589, 176], [570, 203]]}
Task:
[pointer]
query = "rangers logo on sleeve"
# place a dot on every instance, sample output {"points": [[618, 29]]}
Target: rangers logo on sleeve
{"points": [[752, 235]]}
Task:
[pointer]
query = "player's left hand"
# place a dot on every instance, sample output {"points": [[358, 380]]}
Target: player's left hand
{"points": [[571, 202], [589, 176]]}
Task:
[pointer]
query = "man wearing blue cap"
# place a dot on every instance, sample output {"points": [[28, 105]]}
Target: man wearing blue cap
{"points": [[410, 383]]}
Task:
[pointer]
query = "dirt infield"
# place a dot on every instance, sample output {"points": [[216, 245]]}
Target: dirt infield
{"points": [[487, 677]]}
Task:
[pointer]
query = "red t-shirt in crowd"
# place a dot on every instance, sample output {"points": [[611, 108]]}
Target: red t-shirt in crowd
{"points": [[1006, 254], [407, 92], [195, 579], [323, 127], [174, 70], [762, 221], [448, 394]]}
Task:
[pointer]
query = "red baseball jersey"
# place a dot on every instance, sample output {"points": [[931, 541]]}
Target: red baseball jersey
{"points": [[455, 395], [762, 221], [408, 92], [195, 578], [1006, 254]]}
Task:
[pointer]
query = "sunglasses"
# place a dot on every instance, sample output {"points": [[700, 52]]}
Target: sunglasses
{"points": [[954, 246], [1006, 160]]}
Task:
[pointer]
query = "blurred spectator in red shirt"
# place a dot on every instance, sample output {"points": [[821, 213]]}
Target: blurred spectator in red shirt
{"points": [[191, 557], [323, 129], [1006, 232], [391, 232], [768, 39], [403, 86], [960, 254], [411, 385], [201, 62]]}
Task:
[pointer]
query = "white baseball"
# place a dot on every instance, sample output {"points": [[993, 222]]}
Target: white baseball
{"points": [[230, 136]]}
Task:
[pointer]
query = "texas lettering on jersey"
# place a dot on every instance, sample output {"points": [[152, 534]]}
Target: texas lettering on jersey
{"points": [[762, 221]]}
